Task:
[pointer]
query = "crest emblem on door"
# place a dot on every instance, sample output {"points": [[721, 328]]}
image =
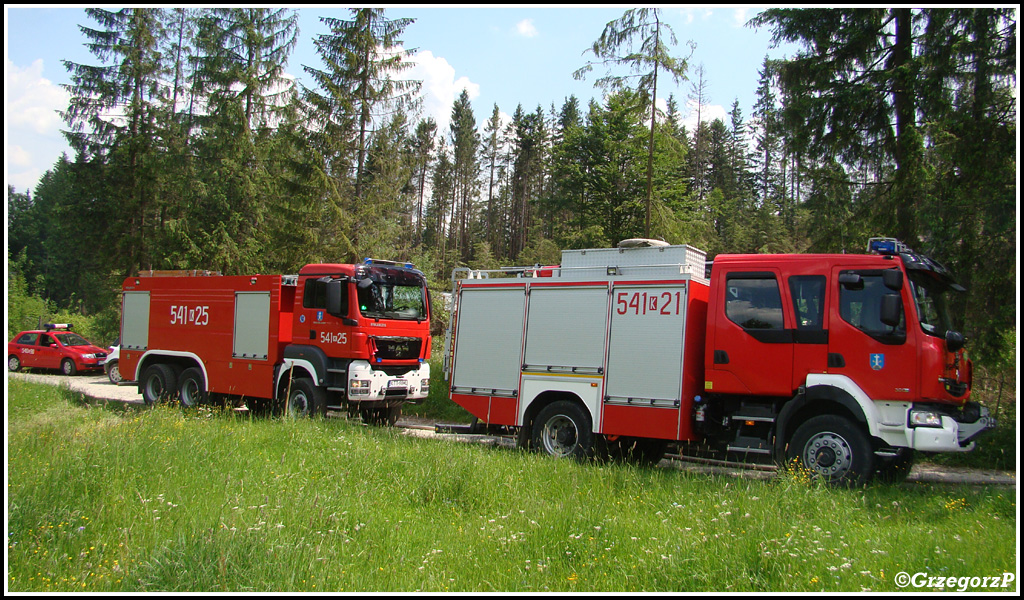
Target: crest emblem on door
{"points": [[877, 362]]}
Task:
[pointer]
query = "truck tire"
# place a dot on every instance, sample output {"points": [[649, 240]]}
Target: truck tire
{"points": [[834, 449], [192, 388], [158, 382], [645, 452], [67, 367], [896, 470], [381, 416], [562, 429], [306, 400]]}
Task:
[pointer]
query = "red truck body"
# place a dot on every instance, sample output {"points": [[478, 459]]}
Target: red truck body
{"points": [[351, 335], [846, 362]]}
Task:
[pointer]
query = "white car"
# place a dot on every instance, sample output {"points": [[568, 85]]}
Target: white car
{"points": [[111, 365]]}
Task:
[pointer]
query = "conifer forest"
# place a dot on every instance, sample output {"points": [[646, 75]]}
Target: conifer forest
{"points": [[192, 151]]}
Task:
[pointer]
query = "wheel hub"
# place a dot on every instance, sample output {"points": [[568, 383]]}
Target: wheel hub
{"points": [[560, 436], [828, 454]]}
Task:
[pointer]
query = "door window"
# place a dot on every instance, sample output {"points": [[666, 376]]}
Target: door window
{"points": [[860, 305], [753, 301]]}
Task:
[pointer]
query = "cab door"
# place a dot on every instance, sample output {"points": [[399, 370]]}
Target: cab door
{"points": [[809, 294], [752, 351], [880, 358]]}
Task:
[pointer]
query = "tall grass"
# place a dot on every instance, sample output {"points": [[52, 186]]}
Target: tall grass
{"points": [[165, 500]]}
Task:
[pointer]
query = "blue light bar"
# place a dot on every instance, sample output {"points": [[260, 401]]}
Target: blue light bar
{"points": [[883, 246], [886, 246]]}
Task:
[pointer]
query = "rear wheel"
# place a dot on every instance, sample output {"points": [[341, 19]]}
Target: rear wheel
{"points": [[896, 469], [645, 452], [562, 429], [834, 449], [67, 367], [192, 388], [159, 382]]}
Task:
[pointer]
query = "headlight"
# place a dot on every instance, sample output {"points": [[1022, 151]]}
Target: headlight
{"points": [[88, 356], [925, 418], [359, 387]]}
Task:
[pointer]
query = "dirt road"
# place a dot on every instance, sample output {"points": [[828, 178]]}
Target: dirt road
{"points": [[99, 387]]}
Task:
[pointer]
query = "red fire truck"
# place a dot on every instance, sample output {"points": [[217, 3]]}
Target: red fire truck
{"points": [[846, 363], [334, 336]]}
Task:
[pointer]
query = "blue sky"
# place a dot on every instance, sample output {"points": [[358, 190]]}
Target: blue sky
{"points": [[506, 55]]}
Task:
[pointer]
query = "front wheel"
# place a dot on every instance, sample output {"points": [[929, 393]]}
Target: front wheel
{"points": [[387, 415], [67, 367], [306, 400], [13, 364], [834, 449], [562, 429]]}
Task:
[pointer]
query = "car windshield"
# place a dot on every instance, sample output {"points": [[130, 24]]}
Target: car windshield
{"points": [[71, 339], [931, 297], [392, 301]]}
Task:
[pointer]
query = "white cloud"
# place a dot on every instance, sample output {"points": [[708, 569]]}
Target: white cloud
{"points": [[33, 126], [708, 113], [17, 156], [32, 100], [739, 16], [525, 28], [692, 14], [440, 86]]}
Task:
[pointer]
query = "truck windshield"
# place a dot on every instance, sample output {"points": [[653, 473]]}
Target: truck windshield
{"points": [[931, 297], [392, 301]]}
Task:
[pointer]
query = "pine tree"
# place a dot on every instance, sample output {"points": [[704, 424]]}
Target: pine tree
{"points": [[465, 142], [359, 91], [129, 82], [650, 60]]}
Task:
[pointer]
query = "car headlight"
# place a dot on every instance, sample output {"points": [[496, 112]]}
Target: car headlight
{"points": [[88, 356], [359, 387]]}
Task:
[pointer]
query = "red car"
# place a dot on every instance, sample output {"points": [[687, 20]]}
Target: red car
{"points": [[55, 347]]}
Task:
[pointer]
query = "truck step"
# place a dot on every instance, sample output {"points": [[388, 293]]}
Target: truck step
{"points": [[747, 450], [749, 445], [455, 428], [758, 419]]}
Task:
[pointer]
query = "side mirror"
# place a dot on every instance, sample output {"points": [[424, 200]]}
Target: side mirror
{"points": [[893, 279], [335, 297], [891, 310], [364, 283], [954, 340]]}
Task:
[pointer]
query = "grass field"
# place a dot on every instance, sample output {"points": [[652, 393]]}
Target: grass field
{"points": [[105, 500]]}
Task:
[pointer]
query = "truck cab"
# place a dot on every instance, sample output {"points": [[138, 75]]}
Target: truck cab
{"points": [[866, 337], [365, 326]]}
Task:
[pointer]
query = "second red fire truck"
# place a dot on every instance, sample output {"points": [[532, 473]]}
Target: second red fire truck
{"points": [[847, 364], [337, 336]]}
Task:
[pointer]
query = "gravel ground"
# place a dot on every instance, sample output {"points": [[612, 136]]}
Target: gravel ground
{"points": [[99, 387]]}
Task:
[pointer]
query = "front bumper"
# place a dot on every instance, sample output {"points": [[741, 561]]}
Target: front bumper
{"points": [[957, 432], [376, 386]]}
